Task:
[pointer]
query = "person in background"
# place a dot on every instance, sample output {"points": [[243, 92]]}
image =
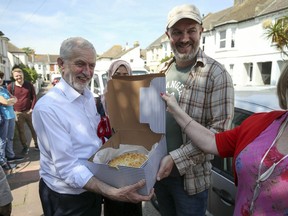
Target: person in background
{"points": [[25, 93], [112, 207], [5, 194], [7, 129], [259, 147], [204, 90], [66, 121], [119, 68]]}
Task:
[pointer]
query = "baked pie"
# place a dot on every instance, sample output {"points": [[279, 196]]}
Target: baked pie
{"points": [[130, 159]]}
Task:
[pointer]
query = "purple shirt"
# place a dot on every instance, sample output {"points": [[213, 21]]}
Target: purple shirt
{"points": [[273, 196]]}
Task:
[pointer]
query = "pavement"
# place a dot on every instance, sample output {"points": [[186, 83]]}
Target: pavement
{"points": [[24, 179]]}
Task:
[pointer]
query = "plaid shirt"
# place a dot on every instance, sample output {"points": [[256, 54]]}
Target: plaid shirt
{"points": [[208, 97]]}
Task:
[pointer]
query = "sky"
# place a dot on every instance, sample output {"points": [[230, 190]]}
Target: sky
{"points": [[42, 25]]}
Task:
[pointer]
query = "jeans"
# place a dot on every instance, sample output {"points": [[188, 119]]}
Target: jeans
{"points": [[7, 135], [174, 201], [2, 151]]}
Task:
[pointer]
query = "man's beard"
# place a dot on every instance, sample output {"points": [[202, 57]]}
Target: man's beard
{"points": [[72, 81], [185, 57]]}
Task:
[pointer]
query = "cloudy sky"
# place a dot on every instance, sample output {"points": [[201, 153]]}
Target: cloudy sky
{"points": [[43, 24]]}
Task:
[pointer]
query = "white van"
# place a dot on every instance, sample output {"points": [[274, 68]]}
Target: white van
{"points": [[99, 80]]}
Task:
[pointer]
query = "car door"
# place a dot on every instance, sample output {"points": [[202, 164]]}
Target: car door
{"points": [[222, 192]]}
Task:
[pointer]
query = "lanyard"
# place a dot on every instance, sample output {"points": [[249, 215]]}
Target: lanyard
{"points": [[264, 176]]}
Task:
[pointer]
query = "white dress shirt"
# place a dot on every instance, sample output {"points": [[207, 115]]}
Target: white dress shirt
{"points": [[66, 123]]}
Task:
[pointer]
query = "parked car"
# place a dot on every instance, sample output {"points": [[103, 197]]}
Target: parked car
{"points": [[223, 190], [55, 80], [222, 193]]}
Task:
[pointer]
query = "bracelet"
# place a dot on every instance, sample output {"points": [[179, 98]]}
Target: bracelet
{"points": [[187, 125]]}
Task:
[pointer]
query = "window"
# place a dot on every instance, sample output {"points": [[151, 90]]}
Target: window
{"points": [[231, 70], [223, 166], [222, 39], [233, 39], [203, 43], [250, 72]]}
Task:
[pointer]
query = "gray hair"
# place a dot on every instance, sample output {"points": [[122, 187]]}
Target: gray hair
{"points": [[74, 42]]}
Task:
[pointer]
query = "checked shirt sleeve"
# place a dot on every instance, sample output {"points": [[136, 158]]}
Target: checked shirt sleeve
{"points": [[187, 156]]}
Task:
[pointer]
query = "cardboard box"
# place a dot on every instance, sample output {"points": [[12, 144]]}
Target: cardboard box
{"points": [[137, 114]]}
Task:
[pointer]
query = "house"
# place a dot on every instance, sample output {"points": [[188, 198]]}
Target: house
{"points": [[44, 64], [4, 60], [10, 55], [156, 51], [236, 38], [16, 55], [133, 55]]}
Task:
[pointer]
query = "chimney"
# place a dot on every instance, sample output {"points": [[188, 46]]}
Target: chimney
{"points": [[136, 43]]}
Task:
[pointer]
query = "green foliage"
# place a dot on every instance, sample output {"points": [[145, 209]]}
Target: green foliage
{"points": [[166, 58], [30, 74], [28, 50], [278, 33]]}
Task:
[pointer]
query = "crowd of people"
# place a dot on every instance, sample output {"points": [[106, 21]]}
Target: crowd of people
{"points": [[16, 100], [200, 108]]}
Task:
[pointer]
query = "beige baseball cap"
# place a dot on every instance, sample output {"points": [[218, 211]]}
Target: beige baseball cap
{"points": [[183, 11]]}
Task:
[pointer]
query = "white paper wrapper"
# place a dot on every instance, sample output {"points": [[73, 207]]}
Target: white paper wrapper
{"points": [[105, 155]]}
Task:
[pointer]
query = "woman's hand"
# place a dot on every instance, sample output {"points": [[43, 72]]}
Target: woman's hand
{"points": [[171, 102]]}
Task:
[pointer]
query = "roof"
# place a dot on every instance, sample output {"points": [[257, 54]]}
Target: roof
{"points": [[249, 9], [118, 51], [13, 49], [112, 52], [44, 58], [157, 42]]}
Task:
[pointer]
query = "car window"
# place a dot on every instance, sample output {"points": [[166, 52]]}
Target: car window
{"points": [[104, 78], [139, 72], [223, 166], [96, 88]]}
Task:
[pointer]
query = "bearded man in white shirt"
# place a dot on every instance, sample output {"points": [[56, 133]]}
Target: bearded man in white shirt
{"points": [[66, 121]]}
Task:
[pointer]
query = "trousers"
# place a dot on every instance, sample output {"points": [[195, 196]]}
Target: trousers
{"points": [[56, 204]]}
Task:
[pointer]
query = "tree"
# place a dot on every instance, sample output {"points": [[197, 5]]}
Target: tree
{"points": [[278, 34], [166, 58], [28, 50]]}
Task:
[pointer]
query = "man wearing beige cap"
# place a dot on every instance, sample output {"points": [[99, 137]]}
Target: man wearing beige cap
{"points": [[204, 89]]}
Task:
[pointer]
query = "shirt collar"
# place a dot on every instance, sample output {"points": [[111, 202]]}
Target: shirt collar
{"points": [[201, 58], [70, 92]]}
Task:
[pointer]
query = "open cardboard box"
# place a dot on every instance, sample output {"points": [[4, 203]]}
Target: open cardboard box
{"points": [[137, 114]]}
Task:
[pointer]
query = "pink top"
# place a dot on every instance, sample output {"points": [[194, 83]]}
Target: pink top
{"points": [[273, 197]]}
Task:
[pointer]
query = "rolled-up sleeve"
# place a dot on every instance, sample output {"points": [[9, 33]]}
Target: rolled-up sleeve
{"points": [[187, 156]]}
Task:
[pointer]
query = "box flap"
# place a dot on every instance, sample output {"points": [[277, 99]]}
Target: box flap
{"points": [[134, 103]]}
